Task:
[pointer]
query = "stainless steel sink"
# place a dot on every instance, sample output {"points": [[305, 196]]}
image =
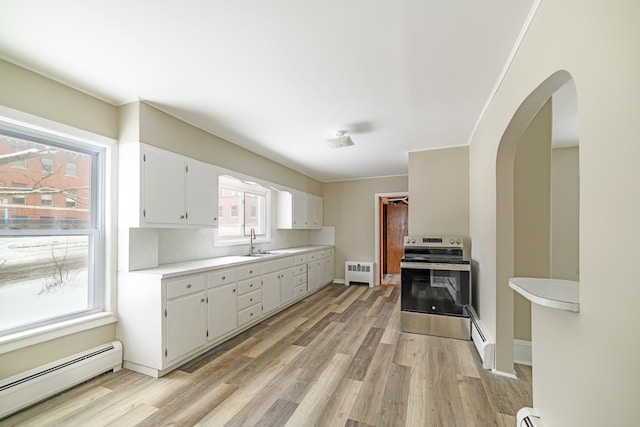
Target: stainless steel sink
{"points": [[260, 254]]}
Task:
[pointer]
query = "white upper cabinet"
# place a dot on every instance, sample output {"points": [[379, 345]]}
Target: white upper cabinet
{"points": [[202, 194], [298, 210], [313, 211], [163, 183], [159, 188]]}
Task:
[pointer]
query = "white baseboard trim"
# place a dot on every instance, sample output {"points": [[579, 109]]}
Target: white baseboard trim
{"points": [[340, 281], [522, 352], [504, 374]]}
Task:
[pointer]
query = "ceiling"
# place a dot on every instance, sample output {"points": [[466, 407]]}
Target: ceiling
{"points": [[279, 77]]}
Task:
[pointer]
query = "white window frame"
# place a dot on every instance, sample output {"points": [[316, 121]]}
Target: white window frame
{"points": [[249, 185], [28, 123]]}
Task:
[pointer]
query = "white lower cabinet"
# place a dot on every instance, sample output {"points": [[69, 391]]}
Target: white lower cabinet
{"points": [[222, 302], [277, 289], [277, 283], [222, 311], [249, 293], [186, 316], [313, 278], [320, 269], [204, 309]]}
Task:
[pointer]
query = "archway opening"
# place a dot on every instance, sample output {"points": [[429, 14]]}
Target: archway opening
{"points": [[526, 150]]}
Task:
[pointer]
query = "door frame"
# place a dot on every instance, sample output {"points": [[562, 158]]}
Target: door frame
{"points": [[378, 228]]}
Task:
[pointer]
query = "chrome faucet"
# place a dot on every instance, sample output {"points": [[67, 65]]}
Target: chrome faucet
{"points": [[252, 238]]}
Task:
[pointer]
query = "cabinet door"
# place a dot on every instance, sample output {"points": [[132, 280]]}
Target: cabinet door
{"points": [[222, 310], [163, 187], [309, 210], [323, 273], [299, 212], [286, 286], [313, 275], [270, 291], [186, 318], [331, 267], [202, 193], [319, 216]]}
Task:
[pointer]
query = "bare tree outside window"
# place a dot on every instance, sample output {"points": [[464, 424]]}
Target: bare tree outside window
{"points": [[50, 256]]}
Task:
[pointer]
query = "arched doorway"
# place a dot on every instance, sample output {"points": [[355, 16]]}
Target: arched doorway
{"points": [[506, 215]]}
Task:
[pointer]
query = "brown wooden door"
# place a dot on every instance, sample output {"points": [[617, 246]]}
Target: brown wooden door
{"points": [[396, 228]]}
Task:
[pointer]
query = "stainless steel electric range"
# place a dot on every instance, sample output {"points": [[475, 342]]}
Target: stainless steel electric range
{"points": [[435, 287]]}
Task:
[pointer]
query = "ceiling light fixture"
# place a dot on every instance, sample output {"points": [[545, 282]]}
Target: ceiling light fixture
{"points": [[341, 140]]}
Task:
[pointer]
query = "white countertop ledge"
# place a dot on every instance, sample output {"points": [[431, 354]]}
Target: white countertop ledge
{"points": [[554, 293], [197, 266]]}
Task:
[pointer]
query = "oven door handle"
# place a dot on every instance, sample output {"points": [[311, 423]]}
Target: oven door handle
{"points": [[434, 266]]}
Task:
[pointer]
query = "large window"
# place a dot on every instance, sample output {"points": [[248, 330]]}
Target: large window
{"points": [[52, 229], [243, 206]]}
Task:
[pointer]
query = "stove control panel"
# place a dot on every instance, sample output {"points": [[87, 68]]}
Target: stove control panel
{"points": [[434, 242]]}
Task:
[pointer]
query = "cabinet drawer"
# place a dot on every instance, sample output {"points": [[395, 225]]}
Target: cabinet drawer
{"points": [[300, 259], [246, 271], [185, 285], [312, 256], [249, 314], [221, 277], [249, 299], [300, 269], [329, 252], [249, 285], [277, 264], [299, 290], [322, 254], [300, 280]]}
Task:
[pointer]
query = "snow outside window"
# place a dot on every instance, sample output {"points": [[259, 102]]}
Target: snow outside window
{"points": [[51, 231]]}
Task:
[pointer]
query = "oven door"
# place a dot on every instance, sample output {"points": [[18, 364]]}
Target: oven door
{"points": [[435, 288]]}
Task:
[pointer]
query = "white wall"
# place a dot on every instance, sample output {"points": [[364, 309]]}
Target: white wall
{"points": [[31, 93], [350, 207], [586, 370], [532, 212], [439, 192], [565, 208]]}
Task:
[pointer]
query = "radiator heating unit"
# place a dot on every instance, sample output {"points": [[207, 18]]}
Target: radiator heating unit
{"points": [[30, 387], [361, 272]]}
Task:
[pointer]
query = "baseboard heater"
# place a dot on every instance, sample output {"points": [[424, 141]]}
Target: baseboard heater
{"points": [[30, 387], [483, 342]]}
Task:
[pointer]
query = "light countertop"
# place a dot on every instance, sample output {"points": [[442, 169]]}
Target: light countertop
{"points": [[200, 265], [554, 293]]}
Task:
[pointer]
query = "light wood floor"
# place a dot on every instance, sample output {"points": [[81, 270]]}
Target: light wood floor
{"points": [[337, 358], [391, 279]]}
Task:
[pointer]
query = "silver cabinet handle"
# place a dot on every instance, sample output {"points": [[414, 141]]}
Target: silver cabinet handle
{"points": [[202, 300], [233, 290], [224, 277], [189, 285]]}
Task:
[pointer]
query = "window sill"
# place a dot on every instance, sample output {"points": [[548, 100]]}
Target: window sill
{"points": [[58, 330]]}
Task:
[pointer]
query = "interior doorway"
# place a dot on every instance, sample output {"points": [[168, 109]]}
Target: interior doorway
{"points": [[393, 225]]}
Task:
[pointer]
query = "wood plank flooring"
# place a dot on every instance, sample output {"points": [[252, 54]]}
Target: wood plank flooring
{"points": [[337, 358]]}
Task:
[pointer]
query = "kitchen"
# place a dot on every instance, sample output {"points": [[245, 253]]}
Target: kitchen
{"points": [[348, 204]]}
